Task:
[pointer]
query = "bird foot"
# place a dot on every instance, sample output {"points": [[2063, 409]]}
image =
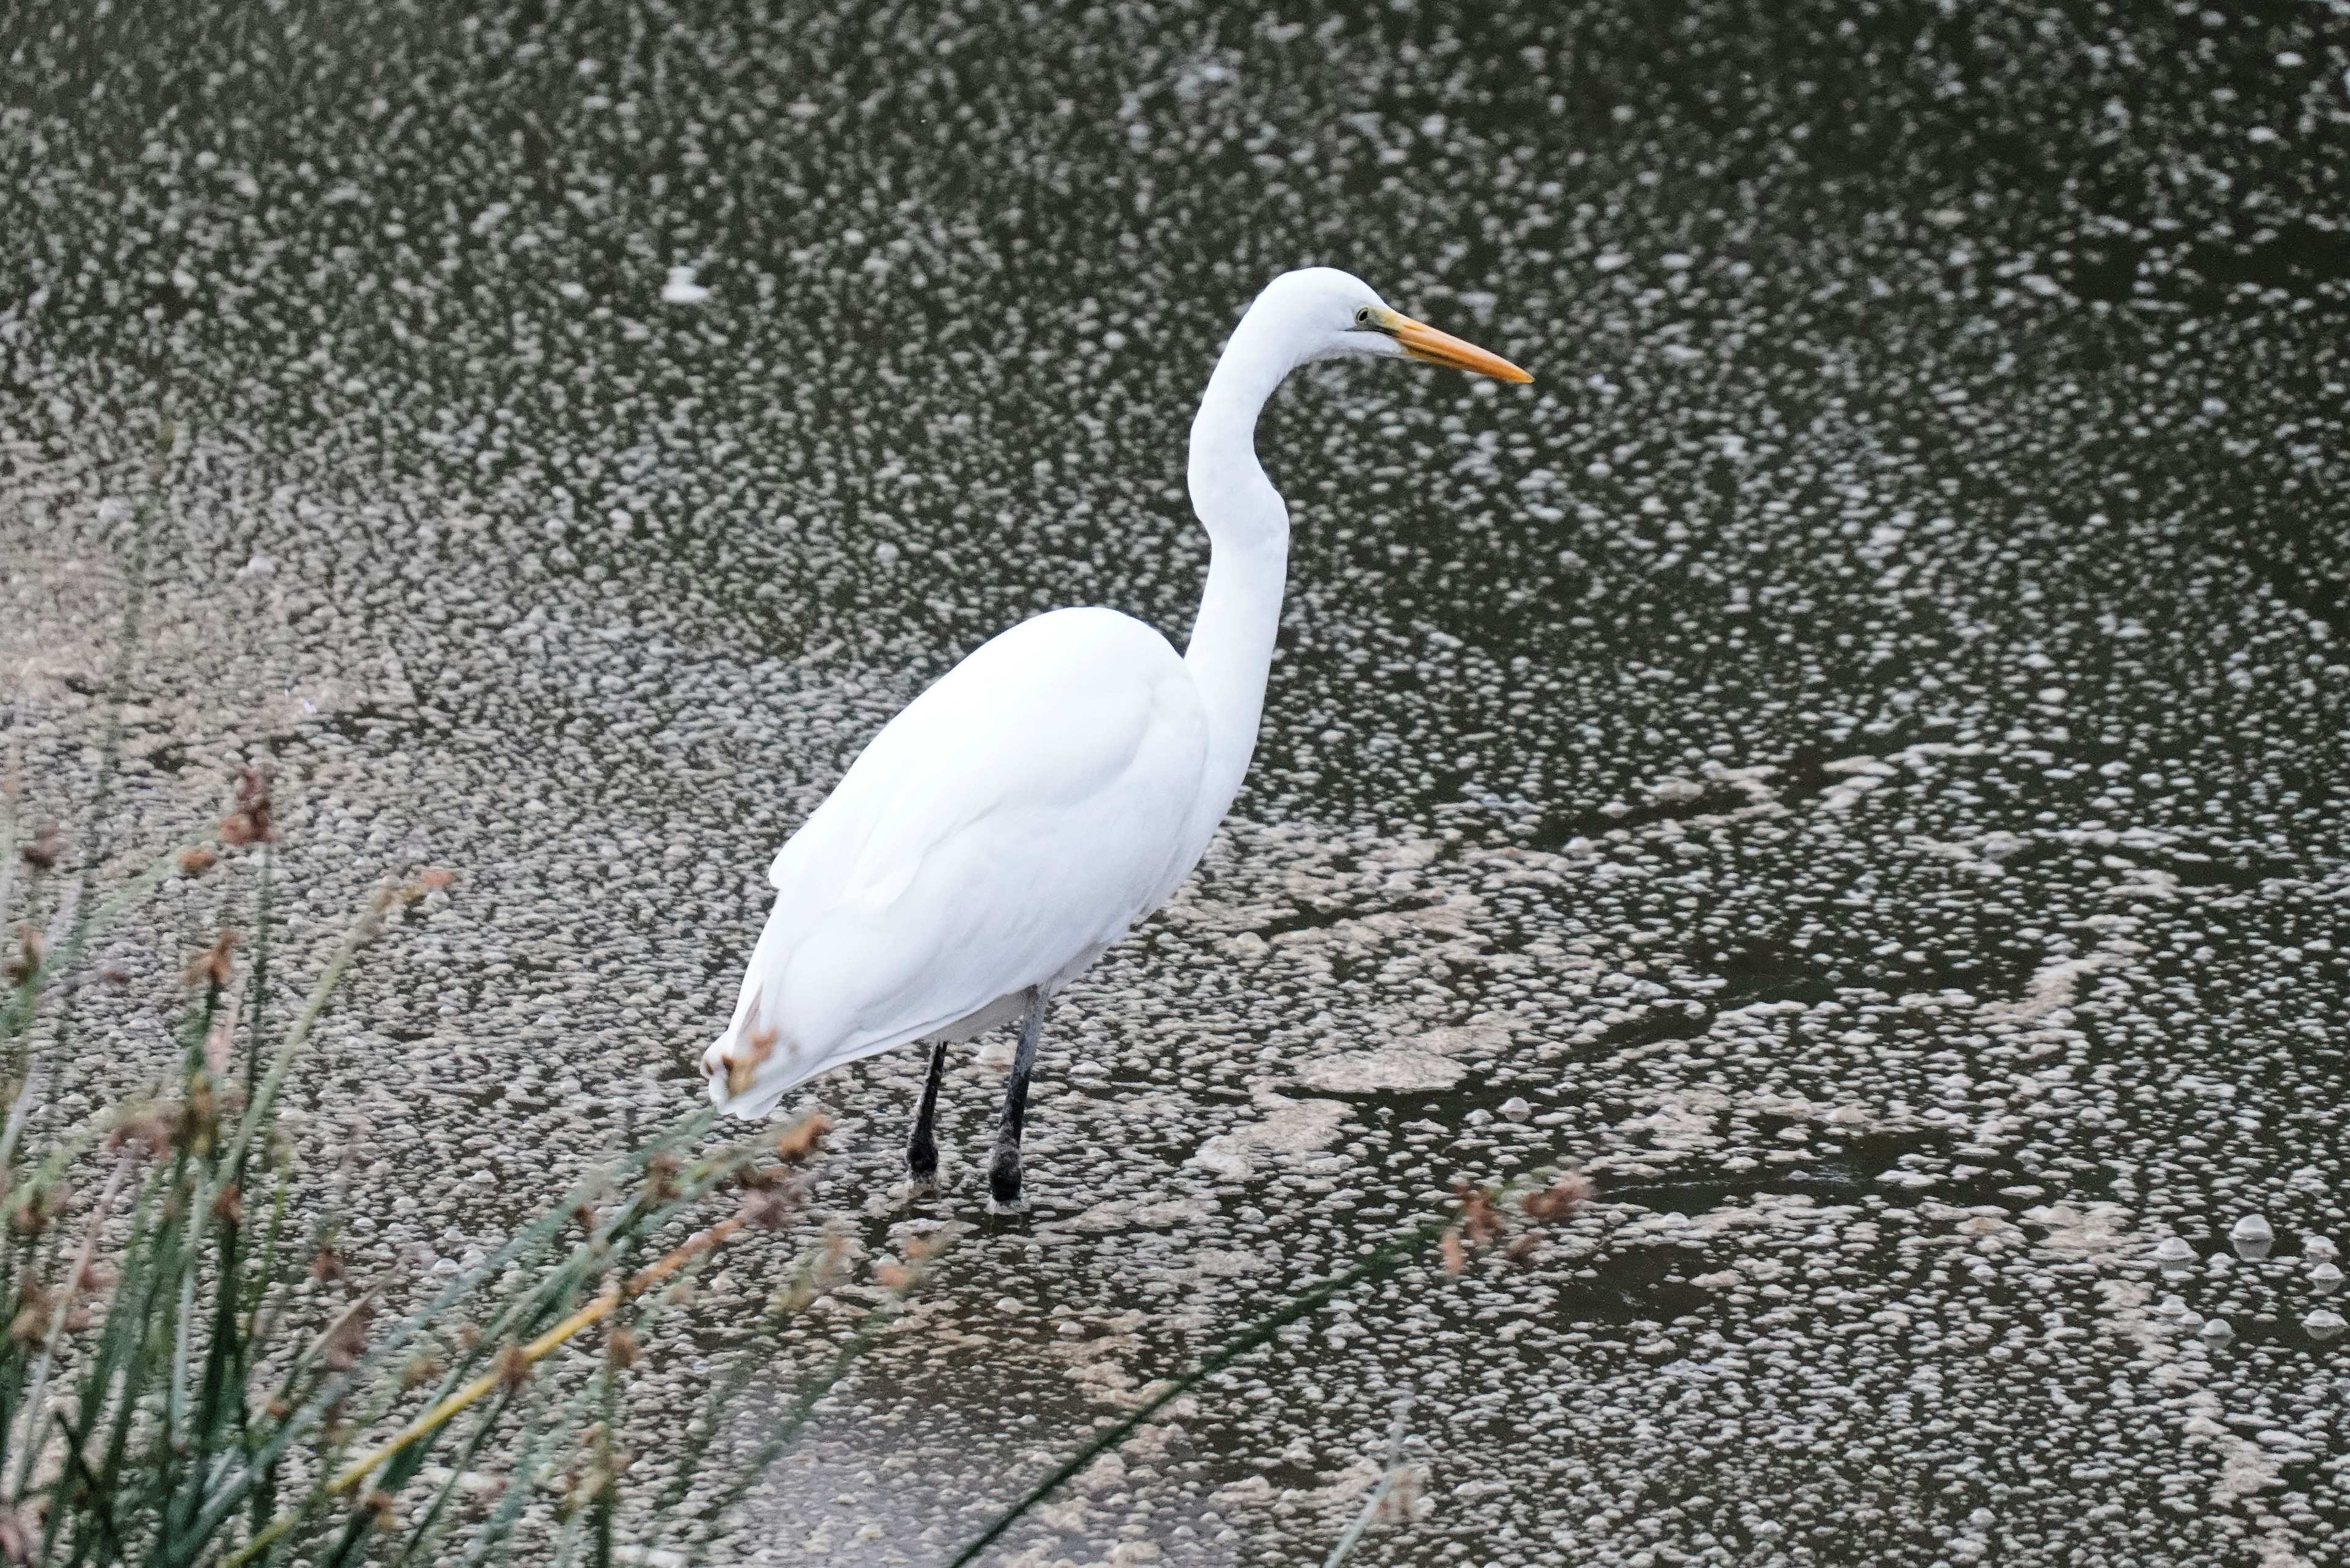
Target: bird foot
{"points": [[922, 1167], [1004, 1196]]}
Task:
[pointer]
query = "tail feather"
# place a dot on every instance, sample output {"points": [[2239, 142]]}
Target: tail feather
{"points": [[732, 1063]]}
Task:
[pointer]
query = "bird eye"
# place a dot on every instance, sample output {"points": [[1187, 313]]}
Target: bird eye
{"points": [[1363, 316]]}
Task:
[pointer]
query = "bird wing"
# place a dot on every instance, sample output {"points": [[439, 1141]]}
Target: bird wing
{"points": [[1015, 818]]}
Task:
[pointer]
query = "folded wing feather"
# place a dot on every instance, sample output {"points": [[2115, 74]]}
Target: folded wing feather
{"points": [[1010, 821]]}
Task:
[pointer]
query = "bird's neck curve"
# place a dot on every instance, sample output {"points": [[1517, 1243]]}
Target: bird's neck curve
{"points": [[1231, 650]]}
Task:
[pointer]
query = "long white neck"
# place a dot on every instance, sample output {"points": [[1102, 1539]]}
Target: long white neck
{"points": [[1248, 533]]}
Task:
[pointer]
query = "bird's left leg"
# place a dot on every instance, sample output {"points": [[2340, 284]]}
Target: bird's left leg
{"points": [[923, 1147], [1004, 1170]]}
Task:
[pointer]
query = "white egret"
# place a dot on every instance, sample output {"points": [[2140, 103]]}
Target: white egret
{"points": [[1054, 787]]}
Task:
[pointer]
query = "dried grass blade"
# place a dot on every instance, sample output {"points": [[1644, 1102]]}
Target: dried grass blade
{"points": [[539, 1349], [1390, 1473], [1389, 1257]]}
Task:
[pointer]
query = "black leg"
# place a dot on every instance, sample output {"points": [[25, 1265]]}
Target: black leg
{"points": [[1003, 1170], [921, 1147]]}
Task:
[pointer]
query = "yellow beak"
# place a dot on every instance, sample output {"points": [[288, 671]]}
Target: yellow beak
{"points": [[1426, 344]]}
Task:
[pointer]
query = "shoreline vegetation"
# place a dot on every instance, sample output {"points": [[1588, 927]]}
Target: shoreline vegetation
{"points": [[191, 1375], [164, 1396]]}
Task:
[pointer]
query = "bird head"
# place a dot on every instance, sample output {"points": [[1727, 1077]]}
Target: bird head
{"points": [[1321, 313]]}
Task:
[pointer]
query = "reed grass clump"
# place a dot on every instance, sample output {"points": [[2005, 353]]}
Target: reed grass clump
{"points": [[172, 1391]]}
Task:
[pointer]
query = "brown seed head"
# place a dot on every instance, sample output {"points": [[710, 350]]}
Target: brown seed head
{"points": [[799, 1141], [31, 1324], [435, 879], [1456, 1256], [26, 961], [328, 1265], [660, 1177], [1477, 1215], [197, 860], [1559, 1200], [41, 851], [40, 1211], [214, 966], [743, 1062], [420, 1370], [622, 1347], [250, 822], [228, 1206], [891, 1277], [378, 1503], [513, 1367], [153, 1127]]}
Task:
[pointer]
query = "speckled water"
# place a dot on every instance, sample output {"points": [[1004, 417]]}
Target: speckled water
{"points": [[1859, 745]]}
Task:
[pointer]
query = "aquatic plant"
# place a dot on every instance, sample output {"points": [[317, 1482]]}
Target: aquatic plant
{"points": [[189, 1376], [161, 1399]]}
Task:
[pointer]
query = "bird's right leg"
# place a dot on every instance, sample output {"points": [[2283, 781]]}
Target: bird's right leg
{"points": [[1004, 1170], [921, 1147]]}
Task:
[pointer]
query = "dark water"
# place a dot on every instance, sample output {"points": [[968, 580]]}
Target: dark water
{"points": [[1862, 736]]}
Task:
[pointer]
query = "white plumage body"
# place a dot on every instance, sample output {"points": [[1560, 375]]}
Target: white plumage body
{"points": [[1013, 822]]}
